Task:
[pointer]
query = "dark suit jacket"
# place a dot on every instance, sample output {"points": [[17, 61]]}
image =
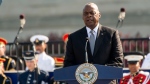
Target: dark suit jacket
{"points": [[108, 48]]}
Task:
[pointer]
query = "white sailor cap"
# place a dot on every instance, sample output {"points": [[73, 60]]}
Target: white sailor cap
{"points": [[39, 39], [133, 59]]}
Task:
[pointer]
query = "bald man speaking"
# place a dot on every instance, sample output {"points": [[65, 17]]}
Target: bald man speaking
{"points": [[104, 45]]}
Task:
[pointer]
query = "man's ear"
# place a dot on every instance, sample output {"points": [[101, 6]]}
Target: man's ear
{"points": [[45, 45]]}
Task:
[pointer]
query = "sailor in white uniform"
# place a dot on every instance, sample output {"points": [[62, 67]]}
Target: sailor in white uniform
{"points": [[45, 62]]}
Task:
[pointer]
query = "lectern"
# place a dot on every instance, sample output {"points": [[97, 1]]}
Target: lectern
{"points": [[105, 74]]}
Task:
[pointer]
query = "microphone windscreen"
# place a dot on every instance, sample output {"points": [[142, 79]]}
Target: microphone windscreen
{"points": [[122, 10], [21, 16]]}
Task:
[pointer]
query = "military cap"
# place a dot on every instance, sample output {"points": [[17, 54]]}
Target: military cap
{"points": [[133, 59], [65, 37], [29, 55], [3, 41], [39, 39]]}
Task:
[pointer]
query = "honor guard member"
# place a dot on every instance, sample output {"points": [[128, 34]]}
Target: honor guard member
{"points": [[33, 75], [45, 62], [59, 60], [3, 78], [9, 63], [135, 76], [65, 39]]}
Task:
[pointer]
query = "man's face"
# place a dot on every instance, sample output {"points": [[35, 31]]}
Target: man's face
{"points": [[134, 67], [2, 50], [31, 64], [40, 48], [91, 16]]}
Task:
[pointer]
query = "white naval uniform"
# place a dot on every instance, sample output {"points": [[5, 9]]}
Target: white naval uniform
{"points": [[45, 62]]}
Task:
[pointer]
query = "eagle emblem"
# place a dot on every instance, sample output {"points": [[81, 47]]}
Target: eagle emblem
{"points": [[86, 73]]}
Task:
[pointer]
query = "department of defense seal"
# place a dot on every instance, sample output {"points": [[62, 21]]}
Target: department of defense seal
{"points": [[86, 73]]}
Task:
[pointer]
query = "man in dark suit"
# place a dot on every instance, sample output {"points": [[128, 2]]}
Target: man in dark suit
{"points": [[106, 48]]}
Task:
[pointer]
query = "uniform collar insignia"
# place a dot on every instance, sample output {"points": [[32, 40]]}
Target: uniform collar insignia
{"points": [[134, 74]]}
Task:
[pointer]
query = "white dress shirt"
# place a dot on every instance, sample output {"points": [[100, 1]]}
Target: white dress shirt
{"points": [[45, 62], [95, 31]]}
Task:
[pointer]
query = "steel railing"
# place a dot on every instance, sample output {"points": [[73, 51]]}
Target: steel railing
{"points": [[56, 48]]}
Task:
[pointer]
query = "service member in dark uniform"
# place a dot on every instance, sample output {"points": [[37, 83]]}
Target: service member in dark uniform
{"points": [[3, 78], [9, 63], [135, 76], [33, 75]]}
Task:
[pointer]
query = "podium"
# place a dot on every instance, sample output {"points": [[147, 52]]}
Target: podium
{"points": [[105, 74]]}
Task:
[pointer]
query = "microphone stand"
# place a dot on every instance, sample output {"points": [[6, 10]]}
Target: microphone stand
{"points": [[119, 23], [22, 23], [86, 54], [37, 71], [16, 43]]}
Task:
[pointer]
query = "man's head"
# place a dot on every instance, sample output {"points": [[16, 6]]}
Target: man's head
{"points": [[134, 62], [40, 42], [91, 15], [31, 59], [3, 43]]}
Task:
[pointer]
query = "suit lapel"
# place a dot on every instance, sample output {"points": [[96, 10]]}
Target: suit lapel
{"points": [[83, 39], [99, 39], [83, 36]]}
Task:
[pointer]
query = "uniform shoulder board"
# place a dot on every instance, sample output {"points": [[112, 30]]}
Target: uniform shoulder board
{"points": [[126, 74], [13, 61], [7, 57], [144, 73], [44, 72]]}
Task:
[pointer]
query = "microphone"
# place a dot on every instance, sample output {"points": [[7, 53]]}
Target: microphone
{"points": [[86, 54], [22, 22], [121, 17]]}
